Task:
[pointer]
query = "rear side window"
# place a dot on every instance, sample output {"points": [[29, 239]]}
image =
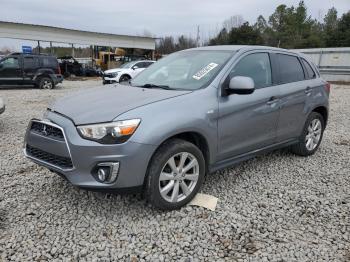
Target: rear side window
{"points": [[50, 62], [256, 66], [30, 62], [290, 69], [310, 73]]}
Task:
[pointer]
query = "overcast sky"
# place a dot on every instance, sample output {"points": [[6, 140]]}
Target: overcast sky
{"points": [[159, 17]]}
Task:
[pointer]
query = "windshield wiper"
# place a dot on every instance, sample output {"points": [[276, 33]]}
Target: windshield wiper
{"points": [[156, 86]]}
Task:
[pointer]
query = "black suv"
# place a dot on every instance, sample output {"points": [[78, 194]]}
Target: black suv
{"points": [[28, 69]]}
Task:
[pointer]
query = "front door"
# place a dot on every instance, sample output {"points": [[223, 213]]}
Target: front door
{"points": [[10, 71], [248, 122]]}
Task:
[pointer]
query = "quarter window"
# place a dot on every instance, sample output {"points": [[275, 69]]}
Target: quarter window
{"points": [[50, 62], [290, 69], [256, 66], [310, 72]]}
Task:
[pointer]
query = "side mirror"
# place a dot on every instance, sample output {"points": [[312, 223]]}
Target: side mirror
{"points": [[135, 67], [241, 85]]}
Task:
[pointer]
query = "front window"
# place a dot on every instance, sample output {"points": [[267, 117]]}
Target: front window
{"points": [[127, 65], [189, 70], [11, 62]]}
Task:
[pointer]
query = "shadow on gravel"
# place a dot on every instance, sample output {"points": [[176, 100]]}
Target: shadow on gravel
{"points": [[89, 199], [19, 87], [3, 215]]}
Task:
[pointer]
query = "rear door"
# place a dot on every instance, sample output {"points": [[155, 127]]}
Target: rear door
{"points": [[11, 70], [30, 66], [248, 122], [294, 92]]}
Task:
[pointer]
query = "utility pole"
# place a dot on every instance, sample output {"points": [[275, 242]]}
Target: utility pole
{"points": [[198, 37], [39, 51]]}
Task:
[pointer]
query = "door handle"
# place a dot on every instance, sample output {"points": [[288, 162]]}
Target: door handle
{"points": [[272, 100], [308, 90]]}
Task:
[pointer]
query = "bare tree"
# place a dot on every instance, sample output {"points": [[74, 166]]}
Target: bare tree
{"points": [[234, 21]]}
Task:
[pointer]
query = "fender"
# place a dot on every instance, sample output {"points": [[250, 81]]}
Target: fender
{"points": [[43, 72]]}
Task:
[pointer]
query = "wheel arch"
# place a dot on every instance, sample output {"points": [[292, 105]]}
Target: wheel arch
{"points": [[124, 74], [193, 137], [323, 111]]}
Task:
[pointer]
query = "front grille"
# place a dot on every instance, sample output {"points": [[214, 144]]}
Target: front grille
{"points": [[109, 75], [47, 130], [59, 161]]}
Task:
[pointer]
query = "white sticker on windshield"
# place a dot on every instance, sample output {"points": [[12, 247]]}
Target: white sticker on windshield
{"points": [[204, 71]]}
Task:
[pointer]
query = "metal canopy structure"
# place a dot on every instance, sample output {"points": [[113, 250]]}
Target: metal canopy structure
{"points": [[70, 36]]}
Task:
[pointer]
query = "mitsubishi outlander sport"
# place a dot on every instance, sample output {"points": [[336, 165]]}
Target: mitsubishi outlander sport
{"points": [[189, 114]]}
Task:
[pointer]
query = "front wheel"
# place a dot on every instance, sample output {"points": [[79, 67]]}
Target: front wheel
{"points": [[124, 78], [175, 174], [311, 137]]}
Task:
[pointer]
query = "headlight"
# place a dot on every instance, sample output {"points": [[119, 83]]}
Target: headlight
{"points": [[114, 74], [110, 133]]}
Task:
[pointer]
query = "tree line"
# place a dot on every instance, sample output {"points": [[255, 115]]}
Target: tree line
{"points": [[288, 27]]}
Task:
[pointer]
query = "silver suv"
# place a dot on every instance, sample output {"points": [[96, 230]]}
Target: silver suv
{"points": [[190, 114]]}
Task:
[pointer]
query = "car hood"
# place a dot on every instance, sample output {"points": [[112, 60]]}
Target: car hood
{"points": [[103, 104], [115, 70]]}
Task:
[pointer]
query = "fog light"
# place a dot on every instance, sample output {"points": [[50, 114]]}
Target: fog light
{"points": [[107, 172], [102, 174]]}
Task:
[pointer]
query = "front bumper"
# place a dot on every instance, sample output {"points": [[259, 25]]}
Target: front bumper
{"points": [[109, 80], [85, 155]]}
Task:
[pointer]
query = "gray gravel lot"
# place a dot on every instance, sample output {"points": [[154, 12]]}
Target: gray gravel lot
{"points": [[277, 207]]}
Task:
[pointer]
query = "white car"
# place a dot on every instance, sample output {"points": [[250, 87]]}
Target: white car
{"points": [[2, 106], [125, 72]]}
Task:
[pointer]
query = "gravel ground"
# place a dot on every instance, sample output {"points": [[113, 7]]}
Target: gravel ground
{"points": [[277, 207]]}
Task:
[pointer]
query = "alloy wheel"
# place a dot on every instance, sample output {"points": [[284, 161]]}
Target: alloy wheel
{"points": [[178, 177], [47, 84], [313, 136]]}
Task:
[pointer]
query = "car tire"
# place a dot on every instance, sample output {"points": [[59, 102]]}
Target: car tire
{"points": [[175, 174], [46, 83], [311, 136], [124, 78]]}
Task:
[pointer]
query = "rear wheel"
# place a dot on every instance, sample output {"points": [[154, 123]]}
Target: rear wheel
{"points": [[311, 137], [175, 174], [46, 83]]}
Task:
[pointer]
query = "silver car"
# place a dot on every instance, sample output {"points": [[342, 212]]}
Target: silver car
{"points": [[188, 115]]}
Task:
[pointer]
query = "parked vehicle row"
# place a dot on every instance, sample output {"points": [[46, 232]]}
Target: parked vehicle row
{"points": [[42, 71], [70, 66], [191, 113]]}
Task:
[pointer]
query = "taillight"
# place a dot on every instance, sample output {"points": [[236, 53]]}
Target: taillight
{"points": [[327, 87], [59, 70]]}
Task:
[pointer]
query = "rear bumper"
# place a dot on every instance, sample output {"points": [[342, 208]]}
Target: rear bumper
{"points": [[57, 79], [85, 155]]}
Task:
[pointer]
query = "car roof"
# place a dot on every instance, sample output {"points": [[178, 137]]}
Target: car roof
{"points": [[143, 61], [236, 48], [25, 54]]}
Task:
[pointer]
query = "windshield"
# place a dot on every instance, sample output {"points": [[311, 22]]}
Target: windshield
{"points": [[189, 70], [127, 65]]}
